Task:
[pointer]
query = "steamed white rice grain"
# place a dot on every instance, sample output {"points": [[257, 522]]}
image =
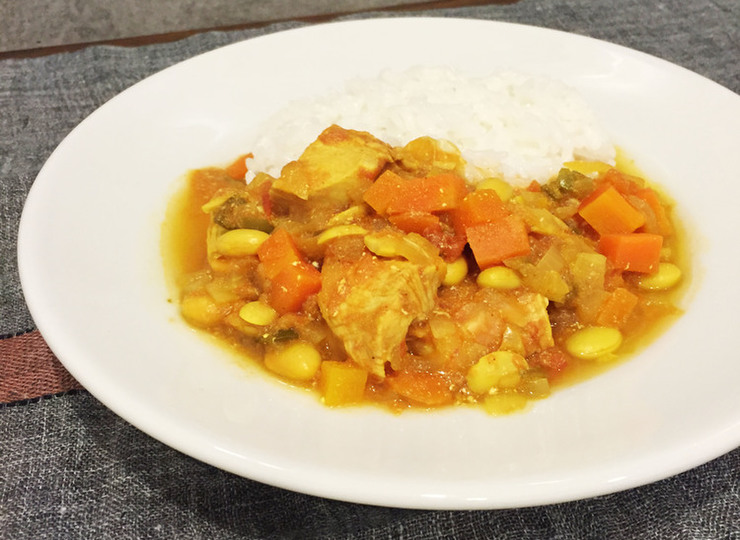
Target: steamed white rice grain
{"points": [[509, 124]]}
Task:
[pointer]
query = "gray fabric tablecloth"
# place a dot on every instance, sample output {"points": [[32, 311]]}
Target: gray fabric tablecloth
{"points": [[70, 468]]}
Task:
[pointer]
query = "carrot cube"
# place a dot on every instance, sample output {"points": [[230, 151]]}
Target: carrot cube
{"points": [[292, 286], [480, 207], [418, 222], [431, 194], [392, 194], [386, 189], [277, 252], [636, 252], [610, 213], [494, 242]]}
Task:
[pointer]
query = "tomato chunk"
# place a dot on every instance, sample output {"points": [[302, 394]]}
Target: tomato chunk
{"points": [[238, 168], [661, 216], [424, 388]]}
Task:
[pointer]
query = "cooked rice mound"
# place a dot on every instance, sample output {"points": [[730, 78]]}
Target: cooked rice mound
{"points": [[512, 125]]}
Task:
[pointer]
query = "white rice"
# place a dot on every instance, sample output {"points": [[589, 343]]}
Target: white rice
{"points": [[509, 124]]}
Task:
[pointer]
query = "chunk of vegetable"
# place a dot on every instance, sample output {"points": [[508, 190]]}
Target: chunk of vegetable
{"points": [[588, 271], [342, 383], [293, 279], [553, 359], [535, 387], [623, 182], [661, 216], [610, 213], [292, 286], [616, 308], [277, 252], [502, 188], [636, 252], [426, 388], [482, 206], [450, 240], [494, 242], [238, 168], [433, 194], [418, 222], [548, 283], [569, 183], [391, 194], [239, 211], [381, 194]]}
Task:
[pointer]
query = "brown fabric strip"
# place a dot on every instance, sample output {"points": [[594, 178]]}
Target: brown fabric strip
{"points": [[28, 369]]}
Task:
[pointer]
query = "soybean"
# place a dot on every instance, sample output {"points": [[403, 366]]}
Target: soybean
{"points": [[594, 342], [299, 361], [340, 230], [347, 216], [257, 313], [666, 277], [201, 310], [499, 369], [412, 247], [499, 277], [456, 272], [240, 242]]}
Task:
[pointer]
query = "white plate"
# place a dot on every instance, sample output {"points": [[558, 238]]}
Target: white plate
{"points": [[92, 276]]}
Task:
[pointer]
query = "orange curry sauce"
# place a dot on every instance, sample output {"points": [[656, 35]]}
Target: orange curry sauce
{"points": [[378, 274]]}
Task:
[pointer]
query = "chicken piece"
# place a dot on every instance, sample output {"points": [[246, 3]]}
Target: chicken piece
{"points": [[469, 322], [369, 304], [340, 164], [528, 327]]}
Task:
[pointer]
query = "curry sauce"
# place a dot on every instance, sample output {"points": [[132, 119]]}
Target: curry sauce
{"points": [[378, 274]]}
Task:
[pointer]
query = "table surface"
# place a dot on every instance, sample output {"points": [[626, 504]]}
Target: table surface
{"points": [[70, 468]]}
